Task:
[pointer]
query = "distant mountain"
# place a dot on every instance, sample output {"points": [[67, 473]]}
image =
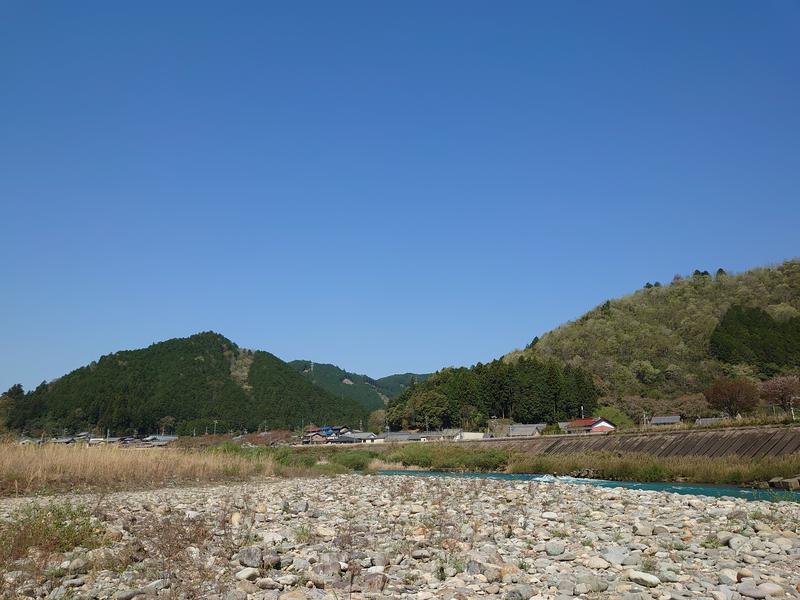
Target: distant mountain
{"points": [[188, 384], [664, 341], [372, 394]]}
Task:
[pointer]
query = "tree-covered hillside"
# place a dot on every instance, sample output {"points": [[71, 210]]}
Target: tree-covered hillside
{"points": [[656, 342], [370, 393], [182, 384], [527, 390]]}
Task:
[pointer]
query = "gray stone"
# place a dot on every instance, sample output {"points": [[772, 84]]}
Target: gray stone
{"points": [[247, 573], [375, 582], [771, 589], [518, 592], [750, 591], [555, 548], [728, 577], [250, 556], [595, 562], [593, 582], [288, 579], [642, 578], [615, 555], [736, 542]]}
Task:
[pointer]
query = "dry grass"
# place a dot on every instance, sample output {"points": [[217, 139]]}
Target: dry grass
{"points": [[51, 528], [645, 467], [31, 469]]}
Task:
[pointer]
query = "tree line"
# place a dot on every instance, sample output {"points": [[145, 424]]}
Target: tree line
{"points": [[528, 391]]}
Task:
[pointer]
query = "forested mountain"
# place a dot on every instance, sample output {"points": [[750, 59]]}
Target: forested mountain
{"points": [[370, 393], [527, 390], [184, 384], [665, 341]]}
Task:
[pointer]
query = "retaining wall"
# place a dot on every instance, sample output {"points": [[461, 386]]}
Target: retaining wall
{"points": [[748, 442]]}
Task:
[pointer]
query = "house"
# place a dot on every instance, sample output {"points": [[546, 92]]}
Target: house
{"points": [[526, 429], [438, 436], [345, 438], [422, 436], [63, 440], [400, 436], [362, 436], [665, 420], [333, 430], [315, 437], [704, 421], [466, 436], [592, 425]]}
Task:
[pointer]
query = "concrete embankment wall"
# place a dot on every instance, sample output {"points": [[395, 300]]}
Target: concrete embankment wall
{"points": [[749, 442]]}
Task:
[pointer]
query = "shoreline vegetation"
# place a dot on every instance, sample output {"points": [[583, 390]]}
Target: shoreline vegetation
{"points": [[27, 470]]}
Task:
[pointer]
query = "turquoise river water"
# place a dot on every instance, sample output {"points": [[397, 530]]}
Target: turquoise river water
{"points": [[698, 489]]}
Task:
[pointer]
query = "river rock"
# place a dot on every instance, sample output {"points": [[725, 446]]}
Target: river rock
{"points": [[465, 538], [643, 578], [250, 556], [555, 548]]}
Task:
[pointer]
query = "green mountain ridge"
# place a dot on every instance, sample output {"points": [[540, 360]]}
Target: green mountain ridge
{"points": [[662, 343], [202, 382], [372, 394], [657, 342]]}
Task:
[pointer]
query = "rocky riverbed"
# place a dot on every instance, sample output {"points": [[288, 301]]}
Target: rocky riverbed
{"points": [[419, 537]]}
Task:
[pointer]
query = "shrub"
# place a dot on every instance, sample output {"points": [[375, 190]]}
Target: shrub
{"points": [[355, 460], [51, 528]]}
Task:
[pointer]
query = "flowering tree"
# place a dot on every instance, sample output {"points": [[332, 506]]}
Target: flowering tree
{"points": [[783, 391]]}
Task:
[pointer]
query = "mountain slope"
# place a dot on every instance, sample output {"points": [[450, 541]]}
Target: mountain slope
{"points": [[191, 382], [372, 394], [656, 341]]}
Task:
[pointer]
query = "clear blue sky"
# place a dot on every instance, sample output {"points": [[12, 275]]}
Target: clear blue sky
{"points": [[386, 186]]}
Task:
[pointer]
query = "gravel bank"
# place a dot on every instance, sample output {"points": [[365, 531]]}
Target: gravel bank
{"points": [[420, 537]]}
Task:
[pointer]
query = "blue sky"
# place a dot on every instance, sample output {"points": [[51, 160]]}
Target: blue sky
{"points": [[386, 186]]}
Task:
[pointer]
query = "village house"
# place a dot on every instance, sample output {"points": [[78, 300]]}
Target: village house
{"points": [[665, 420], [466, 436], [315, 437], [591, 425], [526, 429], [325, 434]]}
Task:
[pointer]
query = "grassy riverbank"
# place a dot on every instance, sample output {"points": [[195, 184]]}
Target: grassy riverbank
{"points": [[601, 465], [50, 469]]}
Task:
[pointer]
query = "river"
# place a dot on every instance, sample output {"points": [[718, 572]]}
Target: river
{"points": [[698, 489]]}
